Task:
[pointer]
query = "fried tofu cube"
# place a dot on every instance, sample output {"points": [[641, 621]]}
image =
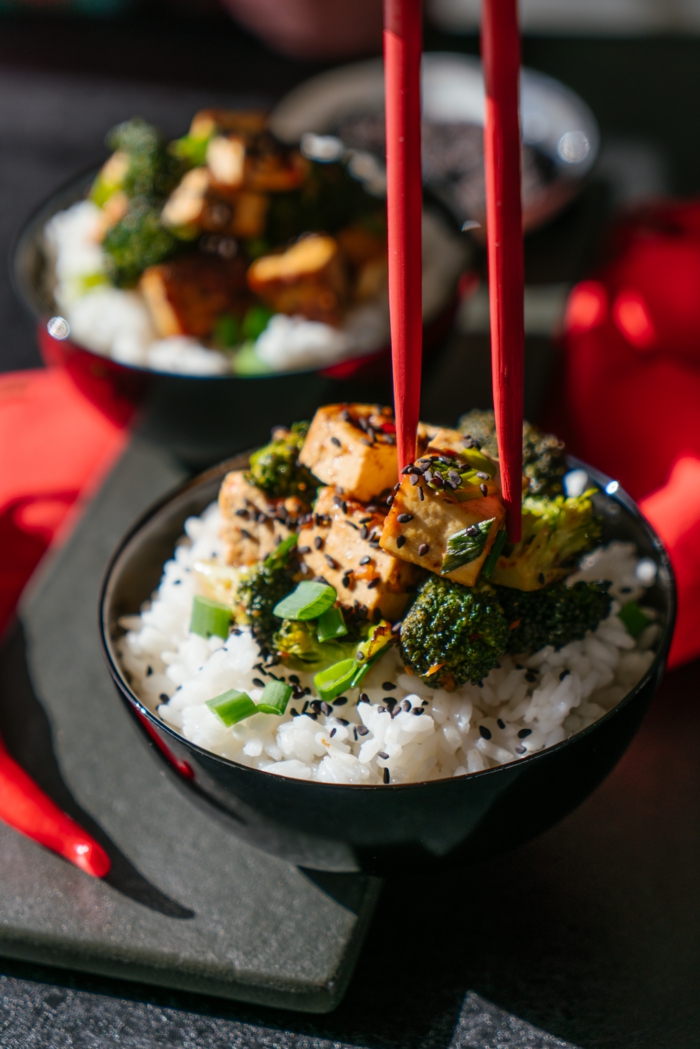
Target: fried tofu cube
{"points": [[198, 203], [252, 524], [309, 278], [226, 160], [185, 205], [352, 446], [273, 168], [340, 545], [418, 529], [187, 295]]}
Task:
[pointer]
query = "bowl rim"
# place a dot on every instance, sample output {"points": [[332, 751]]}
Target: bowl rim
{"points": [[618, 495], [59, 199]]}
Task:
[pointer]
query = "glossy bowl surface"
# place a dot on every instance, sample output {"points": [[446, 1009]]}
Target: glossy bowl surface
{"points": [[201, 419], [381, 829]]}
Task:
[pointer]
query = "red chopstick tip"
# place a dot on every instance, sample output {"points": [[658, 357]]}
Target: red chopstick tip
{"points": [[89, 857]]}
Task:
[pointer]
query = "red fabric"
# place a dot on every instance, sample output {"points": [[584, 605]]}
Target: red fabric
{"points": [[632, 385], [54, 448]]}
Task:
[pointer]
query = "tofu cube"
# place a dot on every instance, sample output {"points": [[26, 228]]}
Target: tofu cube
{"points": [[226, 160], [254, 525], [308, 278], [198, 203], [247, 122], [186, 295], [417, 529], [185, 205], [341, 546], [352, 446]]}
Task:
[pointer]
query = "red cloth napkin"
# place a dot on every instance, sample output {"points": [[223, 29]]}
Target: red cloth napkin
{"points": [[55, 447], [632, 385]]}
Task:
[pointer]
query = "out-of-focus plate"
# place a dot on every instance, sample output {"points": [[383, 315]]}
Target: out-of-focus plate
{"points": [[556, 123]]}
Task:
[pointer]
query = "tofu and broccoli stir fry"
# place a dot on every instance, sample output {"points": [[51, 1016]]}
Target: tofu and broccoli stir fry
{"points": [[229, 250], [322, 606]]}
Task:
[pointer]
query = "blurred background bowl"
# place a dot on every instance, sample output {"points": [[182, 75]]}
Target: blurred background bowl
{"points": [[382, 829], [560, 134]]}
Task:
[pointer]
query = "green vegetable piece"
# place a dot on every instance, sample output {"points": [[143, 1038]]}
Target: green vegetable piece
{"points": [[280, 555], [226, 330], [490, 562], [191, 148], [466, 546], [635, 621], [335, 680], [232, 706], [331, 625], [209, 618], [275, 698], [308, 601], [255, 321], [246, 361]]}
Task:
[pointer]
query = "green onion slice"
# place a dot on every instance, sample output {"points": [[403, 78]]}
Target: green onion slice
{"points": [[232, 706], [331, 625], [496, 551], [308, 601], [275, 698], [634, 620], [478, 461], [335, 680], [280, 556], [209, 618], [463, 547]]}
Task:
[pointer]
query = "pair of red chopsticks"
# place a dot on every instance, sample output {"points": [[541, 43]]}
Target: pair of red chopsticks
{"points": [[500, 46]]}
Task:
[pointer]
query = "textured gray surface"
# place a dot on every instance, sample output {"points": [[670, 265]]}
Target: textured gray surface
{"points": [[189, 906]]}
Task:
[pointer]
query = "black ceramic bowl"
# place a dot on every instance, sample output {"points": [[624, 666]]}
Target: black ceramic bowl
{"points": [[380, 829], [201, 419]]}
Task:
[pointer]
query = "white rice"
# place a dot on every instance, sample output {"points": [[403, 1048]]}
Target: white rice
{"points": [[117, 324], [541, 700]]}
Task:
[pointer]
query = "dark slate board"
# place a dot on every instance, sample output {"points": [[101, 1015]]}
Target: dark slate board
{"points": [[186, 905]]}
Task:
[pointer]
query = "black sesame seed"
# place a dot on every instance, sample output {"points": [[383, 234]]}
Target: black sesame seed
{"points": [[365, 560], [343, 721], [484, 732], [400, 541], [417, 711], [404, 518], [164, 697], [295, 713], [387, 776], [389, 500], [333, 732], [420, 494], [564, 673], [389, 686], [331, 561], [383, 755], [336, 442], [258, 682], [305, 707], [303, 549], [520, 750], [340, 701], [373, 582], [294, 679], [326, 708], [381, 710], [524, 733], [242, 513], [149, 671], [415, 478], [374, 543], [482, 476], [362, 730], [363, 698], [454, 478], [406, 705], [346, 580], [483, 489], [176, 582], [501, 723], [423, 549], [314, 717], [473, 531], [531, 677]]}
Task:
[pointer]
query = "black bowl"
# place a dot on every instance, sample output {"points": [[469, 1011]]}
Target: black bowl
{"points": [[381, 829], [201, 419]]}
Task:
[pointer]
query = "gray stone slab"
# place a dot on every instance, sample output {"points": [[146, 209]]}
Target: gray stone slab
{"points": [[187, 906]]}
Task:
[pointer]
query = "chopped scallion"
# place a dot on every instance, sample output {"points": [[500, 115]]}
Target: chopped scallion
{"points": [[308, 601], [494, 554], [274, 698], [335, 680], [465, 546], [331, 625], [635, 621], [232, 706], [209, 618]]}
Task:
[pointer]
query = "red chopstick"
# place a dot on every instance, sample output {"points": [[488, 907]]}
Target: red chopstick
{"points": [[402, 56], [24, 806], [500, 50]]}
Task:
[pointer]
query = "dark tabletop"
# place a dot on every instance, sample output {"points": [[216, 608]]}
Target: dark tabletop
{"points": [[591, 933]]}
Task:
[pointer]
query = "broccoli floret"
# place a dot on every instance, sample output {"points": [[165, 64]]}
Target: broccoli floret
{"points": [[275, 469], [554, 532], [453, 634], [153, 170], [544, 460], [137, 242], [298, 647], [263, 586], [553, 616]]}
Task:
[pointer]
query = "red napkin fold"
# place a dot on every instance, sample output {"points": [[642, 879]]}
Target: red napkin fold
{"points": [[55, 447], [632, 385]]}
